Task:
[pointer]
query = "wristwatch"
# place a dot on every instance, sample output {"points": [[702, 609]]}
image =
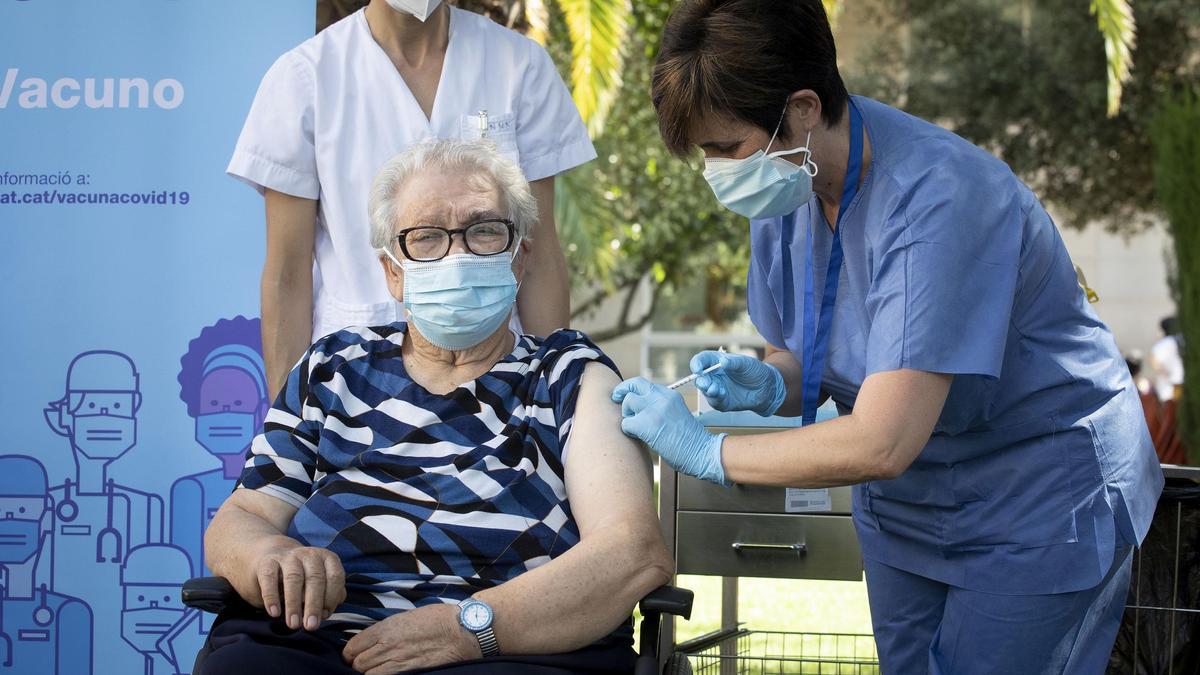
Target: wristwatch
{"points": [[476, 616]]}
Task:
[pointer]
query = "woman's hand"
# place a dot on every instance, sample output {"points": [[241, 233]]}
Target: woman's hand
{"points": [[659, 418], [312, 580], [741, 383], [425, 637]]}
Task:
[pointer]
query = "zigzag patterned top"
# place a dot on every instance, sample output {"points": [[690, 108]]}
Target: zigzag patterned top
{"points": [[426, 498]]}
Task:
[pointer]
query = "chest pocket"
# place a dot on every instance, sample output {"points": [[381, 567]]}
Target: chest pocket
{"points": [[501, 129]]}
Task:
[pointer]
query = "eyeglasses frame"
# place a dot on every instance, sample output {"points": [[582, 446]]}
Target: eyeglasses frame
{"points": [[461, 231]]}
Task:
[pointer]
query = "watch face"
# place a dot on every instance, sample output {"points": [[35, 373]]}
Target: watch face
{"points": [[476, 615]]}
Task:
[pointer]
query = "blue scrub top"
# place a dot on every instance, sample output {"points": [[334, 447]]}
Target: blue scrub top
{"points": [[1040, 464]]}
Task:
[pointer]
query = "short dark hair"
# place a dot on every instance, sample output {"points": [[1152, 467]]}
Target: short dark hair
{"points": [[1169, 325], [743, 58]]}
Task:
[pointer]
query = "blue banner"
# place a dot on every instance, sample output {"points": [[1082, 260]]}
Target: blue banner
{"points": [[131, 353]]}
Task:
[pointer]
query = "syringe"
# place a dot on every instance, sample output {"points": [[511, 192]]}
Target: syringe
{"points": [[693, 376]]}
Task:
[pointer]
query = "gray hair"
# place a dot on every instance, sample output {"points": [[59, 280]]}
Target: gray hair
{"points": [[474, 159]]}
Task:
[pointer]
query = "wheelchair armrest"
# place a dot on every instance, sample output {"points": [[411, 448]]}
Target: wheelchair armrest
{"points": [[668, 600], [213, 594]]}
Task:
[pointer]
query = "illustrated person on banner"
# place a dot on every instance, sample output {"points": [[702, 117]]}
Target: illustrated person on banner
{"points": [[223, 382], [153, 611], [99, 520], [40, 630], [330, 112]]}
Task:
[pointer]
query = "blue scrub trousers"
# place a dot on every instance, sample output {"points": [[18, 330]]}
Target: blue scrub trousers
{"points": [[925, 626]]}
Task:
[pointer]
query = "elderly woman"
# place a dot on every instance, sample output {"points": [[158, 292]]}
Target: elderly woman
{"points": [[442, 494]]}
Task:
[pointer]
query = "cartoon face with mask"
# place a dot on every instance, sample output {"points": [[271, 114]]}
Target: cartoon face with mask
{"points": [[232, 400], [151, 578], [24, 512], [99, 410]]}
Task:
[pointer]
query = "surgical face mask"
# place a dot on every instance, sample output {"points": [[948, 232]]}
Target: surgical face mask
{"points": [[458, 301], [18, 540], [143, 628], [225, 433], [762, 185], [104, 436], [421, 9]]}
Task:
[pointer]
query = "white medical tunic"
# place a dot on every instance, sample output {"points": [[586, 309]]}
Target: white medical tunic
{"points": [[330, 112]]}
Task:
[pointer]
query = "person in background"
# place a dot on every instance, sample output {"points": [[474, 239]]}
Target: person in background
{"points": [[1150, 405], [330, 112], [1166, 362]]}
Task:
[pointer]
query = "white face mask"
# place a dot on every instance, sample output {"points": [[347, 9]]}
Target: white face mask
{"points": [[418, 8]]}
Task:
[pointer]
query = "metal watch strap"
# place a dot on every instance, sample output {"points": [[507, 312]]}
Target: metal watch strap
{"points": [[488, 644]]}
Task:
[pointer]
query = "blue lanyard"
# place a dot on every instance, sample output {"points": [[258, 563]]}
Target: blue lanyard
{"points": [[816, 328]]}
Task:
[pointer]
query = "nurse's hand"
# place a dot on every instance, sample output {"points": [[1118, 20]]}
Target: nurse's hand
{"points": [[741, 383], [659, 418]]}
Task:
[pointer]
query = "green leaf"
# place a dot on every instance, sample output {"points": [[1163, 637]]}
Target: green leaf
{"points": [[537, 13], [597, 29], [833, 8], [1115, 19]]}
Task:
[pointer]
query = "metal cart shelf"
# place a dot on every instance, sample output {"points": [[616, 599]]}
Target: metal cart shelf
{"points": [[757, 652]]}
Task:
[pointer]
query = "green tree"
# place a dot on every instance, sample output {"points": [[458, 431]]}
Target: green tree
{"points": [[1176, 134], [623, 218], [638, 215], [1027, 80]]}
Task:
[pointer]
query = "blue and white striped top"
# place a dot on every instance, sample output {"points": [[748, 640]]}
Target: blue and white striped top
{"points": [[426, 498]]}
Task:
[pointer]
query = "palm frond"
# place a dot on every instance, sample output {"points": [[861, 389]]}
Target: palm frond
{"points": [[833, 8], [597, 29], [1116, 23], [537, 13]]}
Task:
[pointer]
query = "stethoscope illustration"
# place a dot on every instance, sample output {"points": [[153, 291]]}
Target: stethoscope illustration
{"points": [[68, 511], [42, 616]]}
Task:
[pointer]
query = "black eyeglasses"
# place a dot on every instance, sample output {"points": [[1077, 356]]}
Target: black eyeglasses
{"points": [[483, 238]]}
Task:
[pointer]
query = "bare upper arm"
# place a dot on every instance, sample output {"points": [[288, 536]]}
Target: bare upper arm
{"points": [[271, 509], [543, 192], [291, 225], [608, 475], [899, 409]]}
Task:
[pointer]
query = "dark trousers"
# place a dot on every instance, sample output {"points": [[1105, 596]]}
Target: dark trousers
{"points": [[259, 645]]}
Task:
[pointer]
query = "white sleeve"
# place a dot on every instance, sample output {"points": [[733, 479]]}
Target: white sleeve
{"points": [[276, 148], [551, 137]]}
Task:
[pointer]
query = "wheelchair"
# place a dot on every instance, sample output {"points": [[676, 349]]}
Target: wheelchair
{"points": [[217, 596]]}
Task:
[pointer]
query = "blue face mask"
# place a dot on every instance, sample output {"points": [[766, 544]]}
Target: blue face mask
{"points": [[458, 301], [762, 185], [20, 539], [104, 436], [225, 433]]}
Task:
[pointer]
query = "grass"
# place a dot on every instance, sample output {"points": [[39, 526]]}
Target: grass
{"points": [[792, 605], [789, 606]]}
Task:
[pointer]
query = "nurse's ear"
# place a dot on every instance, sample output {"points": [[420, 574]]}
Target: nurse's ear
{"points": [[803, 115], [393, 275]]}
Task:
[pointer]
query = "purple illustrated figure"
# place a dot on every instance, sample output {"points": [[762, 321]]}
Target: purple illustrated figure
{"points": [[154, 620], [223, 383], [41, 631], [97, 519]]}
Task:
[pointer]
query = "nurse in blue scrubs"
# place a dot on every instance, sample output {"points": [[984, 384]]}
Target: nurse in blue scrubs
{"points": [[1003, 471]]}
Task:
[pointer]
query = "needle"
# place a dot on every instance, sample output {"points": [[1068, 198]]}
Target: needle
{"points": [[689, 378]]}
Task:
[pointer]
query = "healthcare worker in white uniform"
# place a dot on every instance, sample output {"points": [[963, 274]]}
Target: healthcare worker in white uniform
{"points": [[331, 111], [1002, 467]]}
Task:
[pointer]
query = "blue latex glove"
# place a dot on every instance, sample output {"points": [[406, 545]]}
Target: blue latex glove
{"points": [[659, 418], [742, 383]]}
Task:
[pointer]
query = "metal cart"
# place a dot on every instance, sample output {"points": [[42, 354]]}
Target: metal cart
{"points": [[770, 532], [756, 652]]}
